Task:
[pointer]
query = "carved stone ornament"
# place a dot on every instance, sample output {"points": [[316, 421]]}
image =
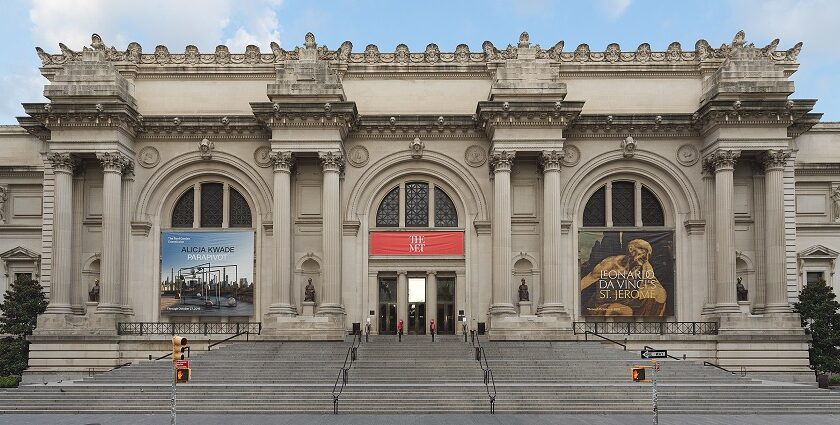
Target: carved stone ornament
{"points": [[835, 198], [358, 156], [4, 196], [283, 161], [502, 160], [475, 156], [723, 159], [571, 155], [688, 155], [262, 156], [775, 159], [205, 148], [112, 161], [416, 146], [551, 160], [628, 145], [148, 157], [331, 161], [62, 161]]}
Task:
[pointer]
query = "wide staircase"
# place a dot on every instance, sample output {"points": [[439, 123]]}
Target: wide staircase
{"points": [[418, 376]]}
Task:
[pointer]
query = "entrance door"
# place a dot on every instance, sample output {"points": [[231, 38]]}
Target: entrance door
{"points": [[388, 305], [445, 305], [416, 306]]}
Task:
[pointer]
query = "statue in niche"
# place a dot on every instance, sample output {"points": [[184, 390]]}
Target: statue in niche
{"points": [[523, 292], [741, 290], [835, 197], [93, 294], [309, 294], [3, 198]]}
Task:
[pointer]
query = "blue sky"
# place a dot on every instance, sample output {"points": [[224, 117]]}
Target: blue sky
{"points": [[25, 24]]}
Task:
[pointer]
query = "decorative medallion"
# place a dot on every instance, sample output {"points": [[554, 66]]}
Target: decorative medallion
{"points": [[475, 156], [148, 157], [262, 156], [688, 155], [571, 155], [358, 156]]}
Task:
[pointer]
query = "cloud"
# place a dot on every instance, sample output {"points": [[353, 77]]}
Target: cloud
{"points": [[19, 87], [614, 8], [259, 26], [813, 22]]}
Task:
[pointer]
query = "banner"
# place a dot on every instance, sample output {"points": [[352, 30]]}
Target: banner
{"points": [[416, 243], [626, 273], [207, 273]]}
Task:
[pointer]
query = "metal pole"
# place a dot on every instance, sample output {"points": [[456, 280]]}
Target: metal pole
{"points": [[655, 407], [173, 420]]}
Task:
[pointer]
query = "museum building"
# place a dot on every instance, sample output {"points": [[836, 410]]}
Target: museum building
{"points": [[533, 193]]}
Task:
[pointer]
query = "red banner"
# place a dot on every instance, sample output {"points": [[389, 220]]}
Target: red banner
{"points": [[416, 243]]}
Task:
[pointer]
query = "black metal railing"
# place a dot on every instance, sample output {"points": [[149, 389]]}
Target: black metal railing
{"points": [[166, 328], [743, 369], [489, 381], [247, 338], [343, 374], [587, 333], [652, 328], [169, 354]]}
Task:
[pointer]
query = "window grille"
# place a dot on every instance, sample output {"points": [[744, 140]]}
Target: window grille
{"points": [[652, 214], [417, 204], [212, 204], [388, 214], [183, 214], [239, 211], [594, 214], [623, 205], [445, 213]]}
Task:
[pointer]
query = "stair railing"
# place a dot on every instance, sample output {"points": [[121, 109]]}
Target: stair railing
{"points": [[489, 381], [247, 338], [721, 368], [587, 333], [343, 373]]}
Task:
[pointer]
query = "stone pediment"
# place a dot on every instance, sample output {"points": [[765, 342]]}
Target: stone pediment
{"points": [[818, 252], [19, 253]]}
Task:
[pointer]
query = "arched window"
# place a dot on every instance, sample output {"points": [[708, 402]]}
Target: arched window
{"points": [[418, 207], [214, 209], [623, 203]]}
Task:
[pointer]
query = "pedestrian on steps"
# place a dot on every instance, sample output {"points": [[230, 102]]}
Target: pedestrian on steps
{"points": [[400, 329], [432, 329]]}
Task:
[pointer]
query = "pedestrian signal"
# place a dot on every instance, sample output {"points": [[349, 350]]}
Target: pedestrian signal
{"points": [[179, 347], [638, 374], [182, 375]]}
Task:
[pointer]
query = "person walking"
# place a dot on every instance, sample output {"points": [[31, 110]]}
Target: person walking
{"points": [[400, 329], [432, 329]]}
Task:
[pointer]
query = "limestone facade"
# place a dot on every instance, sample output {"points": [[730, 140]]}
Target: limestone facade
{"points": [[519, 140]]}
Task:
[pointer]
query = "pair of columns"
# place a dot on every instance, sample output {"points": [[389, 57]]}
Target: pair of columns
{"points": [[722, 249], [332, 164], [501, 165], [118, 172]]}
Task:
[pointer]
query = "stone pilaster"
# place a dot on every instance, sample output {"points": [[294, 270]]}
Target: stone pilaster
{"points": [[501, 163], [774, 236], [332, 164], [282, 230], [709, 216], [552, 303], [723, 162], [431, 299], [62, 261], [110, 299], [125, 224]]}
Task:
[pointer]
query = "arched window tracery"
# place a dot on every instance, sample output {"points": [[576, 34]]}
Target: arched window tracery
{"points": [[214, 208], [411, 204], [623, 203]]}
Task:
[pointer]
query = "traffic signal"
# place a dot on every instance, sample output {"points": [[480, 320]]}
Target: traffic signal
{"points": [[179, 346], [638, 374], [182, 375]]}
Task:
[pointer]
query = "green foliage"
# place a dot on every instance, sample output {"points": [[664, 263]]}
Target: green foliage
{"points": [[8, 382], [818, 308], [14, 355], [22, 304]]}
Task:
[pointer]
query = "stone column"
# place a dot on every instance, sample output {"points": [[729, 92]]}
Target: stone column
{"points": [[723, 162], [501, 163], [78, 289], [402, 297], [774, 235], [709, 215], [111, 270], [431, 299], [62, 255], [552, 303], [758, 292], [282, 229], [125, 225], [331, 164]]}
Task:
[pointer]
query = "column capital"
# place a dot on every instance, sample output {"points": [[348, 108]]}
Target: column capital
{"points": [[402, 272], [501, 160], [283, 161], [431, 273], [551, 160], [62, 162], [128, 169], [722, 159], [775, 159], [112, 162], [331, 161]]}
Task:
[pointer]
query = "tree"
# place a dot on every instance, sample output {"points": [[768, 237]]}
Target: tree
{"points": [[818, 309], [23, 302]]}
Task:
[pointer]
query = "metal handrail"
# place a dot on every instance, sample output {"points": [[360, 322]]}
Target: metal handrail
{"points": [[489, 380], [345, 369], [647, 347], [647, 328], [587, 333], [169, 355], [246, 333], [716, 366]]}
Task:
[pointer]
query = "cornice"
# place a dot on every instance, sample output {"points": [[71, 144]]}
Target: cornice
{"points": [[45, 117], [650, 125], [453, 126], [162, 63], [817, 169], [341, 115], [493, 114], [757, 112], [211, 126], [21, 171]]}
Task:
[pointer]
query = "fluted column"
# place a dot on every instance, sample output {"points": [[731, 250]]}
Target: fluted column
{"points": [[709, 215], [62, 263], [282, 230], [111, 270], [552, 303], [758, 294], [774, 235], [431, 299], [723, 162], [331, 164], [402, 296], [125, 229], [501, 164]]}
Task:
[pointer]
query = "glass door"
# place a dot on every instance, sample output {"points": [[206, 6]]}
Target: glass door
{"points": [[416, 306], [445, 305], [388, 305]]}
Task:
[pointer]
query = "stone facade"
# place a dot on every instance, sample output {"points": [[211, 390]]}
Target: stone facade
{"points": [[518, 139]]}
